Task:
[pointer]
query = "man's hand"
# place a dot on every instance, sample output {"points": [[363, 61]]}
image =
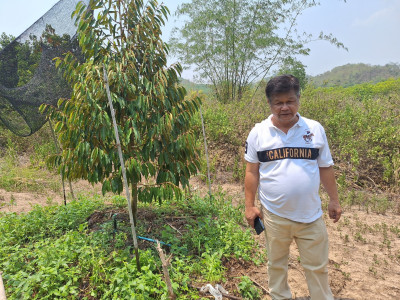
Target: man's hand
{"points": [[250, 188], [328, 181], [335, 211], [251, 213]]}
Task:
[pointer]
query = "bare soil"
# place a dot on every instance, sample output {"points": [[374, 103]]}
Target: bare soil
{"points": [[364, 259], [364, 247]]}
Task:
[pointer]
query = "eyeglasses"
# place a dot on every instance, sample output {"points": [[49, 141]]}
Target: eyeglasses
{"points": [[290, 103]]}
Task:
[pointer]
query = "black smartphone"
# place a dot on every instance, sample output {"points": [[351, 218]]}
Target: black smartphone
{"points": [[258, 225]]}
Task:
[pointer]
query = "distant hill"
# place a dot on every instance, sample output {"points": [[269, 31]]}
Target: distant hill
{"points": [[352, 74], [191, 86]]}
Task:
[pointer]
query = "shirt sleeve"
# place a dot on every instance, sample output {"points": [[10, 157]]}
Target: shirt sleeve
{"points": [[325, 158], [250, 151]]}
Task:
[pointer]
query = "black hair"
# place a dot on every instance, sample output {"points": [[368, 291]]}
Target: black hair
{"points": [[282, 84]]}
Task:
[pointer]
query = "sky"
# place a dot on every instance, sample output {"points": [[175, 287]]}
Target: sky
{"points": [[368, 28]]}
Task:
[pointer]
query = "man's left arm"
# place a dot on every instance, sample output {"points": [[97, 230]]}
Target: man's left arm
{"points": [[327, 176]]}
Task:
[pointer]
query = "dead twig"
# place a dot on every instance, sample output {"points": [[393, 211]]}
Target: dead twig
{"points": [[173, 227], [346, 245], [257, 284], [165, 263]]}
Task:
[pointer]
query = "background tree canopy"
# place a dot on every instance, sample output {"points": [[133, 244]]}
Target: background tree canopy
{"points": [[233, 43]]}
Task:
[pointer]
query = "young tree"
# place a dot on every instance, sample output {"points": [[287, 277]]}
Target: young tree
{"points": [[8, 62], [233, 43], [152, 113], [293, 66], [5, 40]]}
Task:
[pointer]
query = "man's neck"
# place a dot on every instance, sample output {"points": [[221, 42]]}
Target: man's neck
{"points": [[284, 127]]}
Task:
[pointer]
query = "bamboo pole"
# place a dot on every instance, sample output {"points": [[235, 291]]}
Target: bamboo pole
{"points": [[206, 150], [58, 151], [121, 158], [2, 289]]}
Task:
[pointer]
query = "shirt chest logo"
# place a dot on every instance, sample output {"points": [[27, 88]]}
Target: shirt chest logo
{"points": [[288, 152], [308, 137]]}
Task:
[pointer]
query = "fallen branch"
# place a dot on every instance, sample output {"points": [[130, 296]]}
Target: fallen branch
{"points": [[165, 263], [173, 227], [257, 284], [223, 294]]}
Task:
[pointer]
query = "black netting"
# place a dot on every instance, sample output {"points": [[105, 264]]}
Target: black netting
{"points": [[28, 76]]}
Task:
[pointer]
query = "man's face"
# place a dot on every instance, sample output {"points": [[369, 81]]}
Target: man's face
{"points": [[284, 108]]}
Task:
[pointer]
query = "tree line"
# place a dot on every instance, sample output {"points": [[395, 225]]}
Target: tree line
{"points": [[352, 74]]}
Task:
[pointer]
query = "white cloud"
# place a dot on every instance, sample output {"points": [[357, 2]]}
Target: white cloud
{"points": [[385, 15]]}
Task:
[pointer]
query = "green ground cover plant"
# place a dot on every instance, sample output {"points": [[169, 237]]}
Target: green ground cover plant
{"points": [[60, 252]]}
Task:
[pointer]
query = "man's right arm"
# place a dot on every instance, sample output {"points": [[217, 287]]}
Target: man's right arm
{"points": [[251, 180]]}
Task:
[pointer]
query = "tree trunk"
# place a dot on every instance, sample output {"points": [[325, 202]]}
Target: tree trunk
{"points": [[134, 203], [71, 190]]}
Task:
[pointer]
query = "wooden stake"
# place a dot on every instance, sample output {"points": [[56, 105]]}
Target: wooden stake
{"points": [[59, 151], [2, 289], [206, 150], [165, 263], [121, 159]]}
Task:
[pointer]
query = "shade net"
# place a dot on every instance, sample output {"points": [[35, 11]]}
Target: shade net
{"points": [[28, 76]]}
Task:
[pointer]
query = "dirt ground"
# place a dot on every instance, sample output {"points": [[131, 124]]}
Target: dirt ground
{"points": [[21, 202], [364, 259], [364, 247]]}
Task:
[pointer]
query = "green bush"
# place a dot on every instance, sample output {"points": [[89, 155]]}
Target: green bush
{"points": [[363, 128], [362, 124]]}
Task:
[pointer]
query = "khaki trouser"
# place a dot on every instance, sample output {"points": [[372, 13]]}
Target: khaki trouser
{"points": [[312, 241]]}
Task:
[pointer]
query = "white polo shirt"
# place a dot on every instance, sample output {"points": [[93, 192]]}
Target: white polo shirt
{"points": [[289, 167]]}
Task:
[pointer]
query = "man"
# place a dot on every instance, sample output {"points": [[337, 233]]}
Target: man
{"points": [[287, 157]]}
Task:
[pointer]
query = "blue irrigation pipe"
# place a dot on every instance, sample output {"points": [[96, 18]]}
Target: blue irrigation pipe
{"points": [[139, 237], [154, 241]]}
